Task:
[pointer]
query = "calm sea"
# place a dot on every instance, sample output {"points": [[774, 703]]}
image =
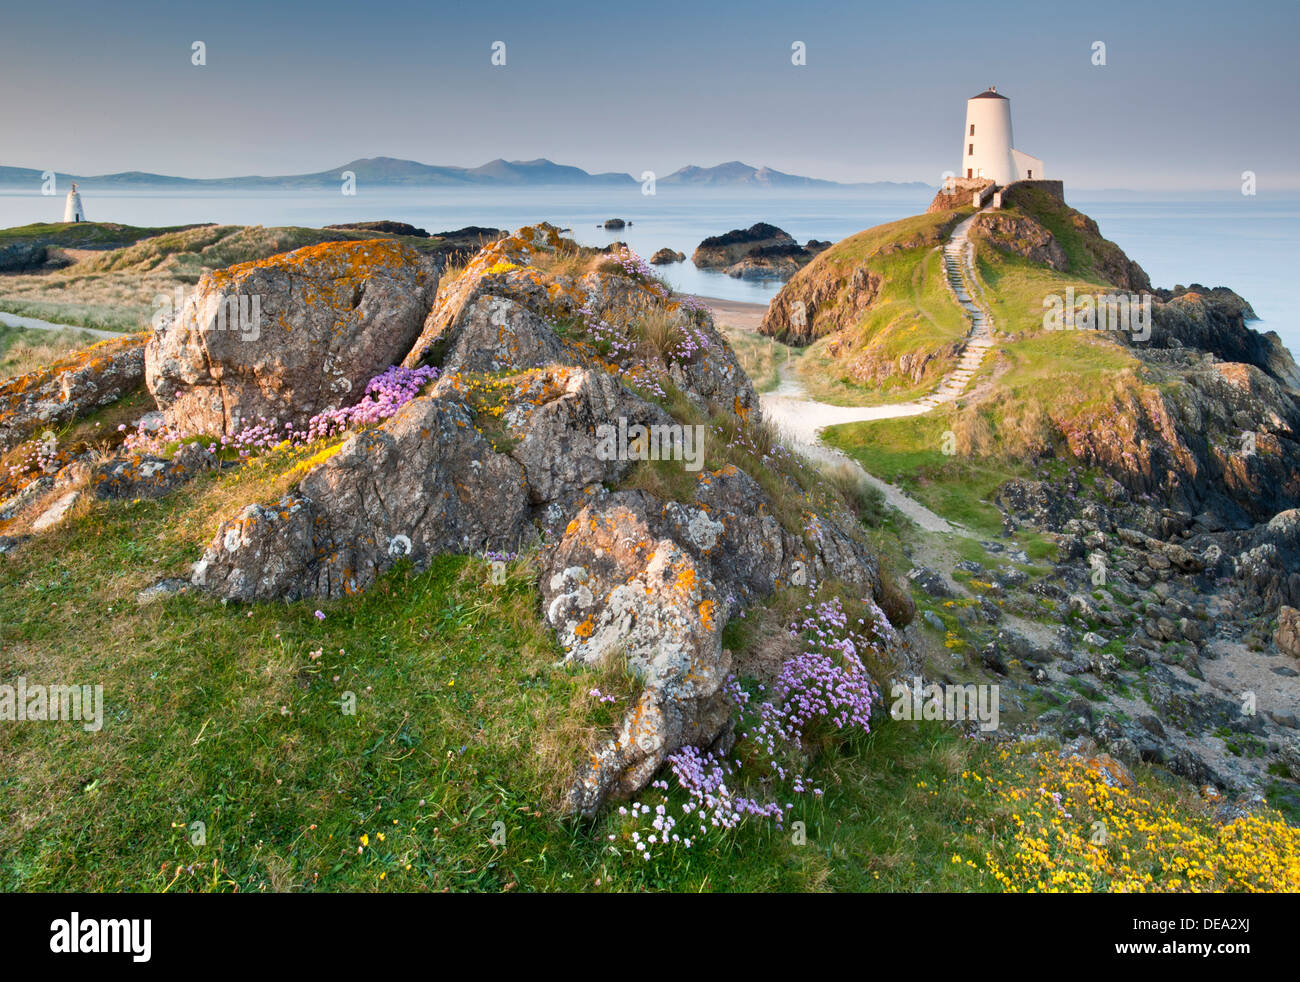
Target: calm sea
{"points": [[1248, 243]]}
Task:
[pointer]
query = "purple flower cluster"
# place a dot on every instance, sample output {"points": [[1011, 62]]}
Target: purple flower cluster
{"points": [[693, 342], [692, 304], [385, 394], [605, 336], [635, 266], [826, 685]]}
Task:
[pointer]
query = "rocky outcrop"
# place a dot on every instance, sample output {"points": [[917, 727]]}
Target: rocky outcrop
{"points": [[666, 256], [656, 583], [70, 388], [837, 288], [722, 251], [488, 461], [1039, 201], [501, 269], [1214, 321], [425, 483], [387, 227], [1223, 438], [613, 224], [771, 262], [1020, 235], [957, 193], [288, 337]]}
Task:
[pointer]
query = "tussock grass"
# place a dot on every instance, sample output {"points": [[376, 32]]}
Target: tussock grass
{"points": [[24, 350], [863, 498]]}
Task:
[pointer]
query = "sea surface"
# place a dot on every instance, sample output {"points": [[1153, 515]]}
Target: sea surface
{"points": [[1251, 244]]}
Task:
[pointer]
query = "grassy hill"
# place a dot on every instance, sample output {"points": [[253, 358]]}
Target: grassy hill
{"points": [[114, 288]]}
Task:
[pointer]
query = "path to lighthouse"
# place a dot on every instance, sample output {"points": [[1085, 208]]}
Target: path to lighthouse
{"points": [[802, 419], [805, 418]]}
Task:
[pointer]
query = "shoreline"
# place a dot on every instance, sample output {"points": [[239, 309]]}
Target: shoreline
{"points": [[741, 314]]}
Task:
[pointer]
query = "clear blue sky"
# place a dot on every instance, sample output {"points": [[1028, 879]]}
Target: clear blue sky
{"points": [[1192, 94]]}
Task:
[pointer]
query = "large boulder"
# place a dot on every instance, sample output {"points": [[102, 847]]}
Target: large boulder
{"points": [[655, 582], [617, 590], [501, 269], [288, 337], [430, 480], [426, 482]]}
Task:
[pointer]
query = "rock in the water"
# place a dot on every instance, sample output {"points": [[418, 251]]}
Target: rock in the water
{"points": [[721, 251], [666, 256]]}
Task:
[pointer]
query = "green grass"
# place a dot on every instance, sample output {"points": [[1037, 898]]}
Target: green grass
{"points": [[761, 357], [24, 349], [83, 235], [909, 452], [466, 716]]}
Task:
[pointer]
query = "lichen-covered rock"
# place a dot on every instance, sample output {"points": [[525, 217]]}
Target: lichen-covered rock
{"points": [[498, 334], [148, 476], [654, 582], [554, 418], [288, 337], [501, 269], [615, 589], [70, 388], [427, 482]]}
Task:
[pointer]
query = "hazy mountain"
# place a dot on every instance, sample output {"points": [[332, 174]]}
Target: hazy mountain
{"points": [[734, 173], [373, 171], [395, 172]]}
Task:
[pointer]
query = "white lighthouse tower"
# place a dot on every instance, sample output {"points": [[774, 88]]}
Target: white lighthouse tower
{"points": [[72, 210], [988, 150]]}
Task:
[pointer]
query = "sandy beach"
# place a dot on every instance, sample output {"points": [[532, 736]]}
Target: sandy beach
{"points": [[735, 313]]}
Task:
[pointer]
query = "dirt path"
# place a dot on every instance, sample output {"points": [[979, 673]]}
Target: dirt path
{"points": [[13, 320]]}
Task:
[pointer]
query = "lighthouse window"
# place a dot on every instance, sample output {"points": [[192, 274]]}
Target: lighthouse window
{"points": [[972, 129], [970, 150]]}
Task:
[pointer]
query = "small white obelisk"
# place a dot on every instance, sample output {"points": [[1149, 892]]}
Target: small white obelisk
{"points": [[72, 211]]}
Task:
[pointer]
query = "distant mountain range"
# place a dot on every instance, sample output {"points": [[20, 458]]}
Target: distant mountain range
{"points": [[737, 174], [394, 172]]}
